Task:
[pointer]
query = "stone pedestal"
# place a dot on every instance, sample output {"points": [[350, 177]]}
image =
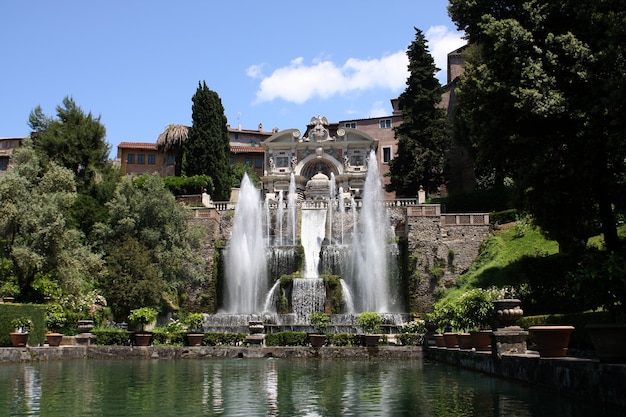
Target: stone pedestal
{"points": [[511, 339]]}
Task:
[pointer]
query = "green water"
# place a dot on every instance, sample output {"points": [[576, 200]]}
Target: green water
{"points": [[269, 387]]}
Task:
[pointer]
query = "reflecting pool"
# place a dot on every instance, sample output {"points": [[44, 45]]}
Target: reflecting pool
{"points": [[269, 387]]}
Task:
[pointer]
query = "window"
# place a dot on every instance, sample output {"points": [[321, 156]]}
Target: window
{"points": [[386, 154], [350, 125], [170, 159], [249, 162], [151, 159], [258, 162], [141, 158], [231, 160], [385, 124], [130, 159]]}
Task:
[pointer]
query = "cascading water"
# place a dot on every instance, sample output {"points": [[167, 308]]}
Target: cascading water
{"points": [[245, 258], [312, 235], [370, 246], [291, 209], [278, 231]]}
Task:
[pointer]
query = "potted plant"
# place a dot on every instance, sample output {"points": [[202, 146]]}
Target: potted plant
{"points": [[143, 316], [320, 321], [194, 323], [551, 340], [476, 314], [22, 326], [370, 322], [55, 320]]}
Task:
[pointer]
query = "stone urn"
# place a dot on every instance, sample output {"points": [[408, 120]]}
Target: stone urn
{"points": [[371, 340], [54, 339], [256, 327], [194, 339], [507, 312], [19, 339], [464, 340], [143, 339], [609, 341], [481, 339], [450, 340], [317, 340], [551, 341]]}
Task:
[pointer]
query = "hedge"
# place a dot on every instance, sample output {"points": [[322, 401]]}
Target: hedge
{"points": [[286, 339], [37, 314]]}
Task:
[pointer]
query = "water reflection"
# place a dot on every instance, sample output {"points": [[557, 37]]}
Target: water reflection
{"points": [[270, 387]]}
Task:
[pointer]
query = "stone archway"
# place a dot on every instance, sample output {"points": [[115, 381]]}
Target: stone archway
{"points": [[313, 165]]}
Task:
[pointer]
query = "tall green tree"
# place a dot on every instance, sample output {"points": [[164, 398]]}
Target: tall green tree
{"points": [[207, 149], [542, 103], [74, 140], [145, 221], [424, 136], [44, 255]]}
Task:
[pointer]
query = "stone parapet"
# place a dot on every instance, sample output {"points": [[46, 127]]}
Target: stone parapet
{"points": [[576, 377]]}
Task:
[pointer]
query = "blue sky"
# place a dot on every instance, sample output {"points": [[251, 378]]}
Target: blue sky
{"points": [[137, 64]]}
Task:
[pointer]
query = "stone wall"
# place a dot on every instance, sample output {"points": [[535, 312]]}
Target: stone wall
{"points": [[437, 252], [201, 293]]}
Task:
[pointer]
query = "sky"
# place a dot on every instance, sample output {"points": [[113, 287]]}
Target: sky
{"points": [[136, 64]]}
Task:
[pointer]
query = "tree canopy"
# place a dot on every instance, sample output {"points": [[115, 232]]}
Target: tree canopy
{"points": [[207, 149], [74, 140], [423, 137], [541, 102]]}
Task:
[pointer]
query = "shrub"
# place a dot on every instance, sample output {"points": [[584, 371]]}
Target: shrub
{"points": [[344, 339], [319, 320], [411, 339], [370, 321], [286, 339], [194, 322], [223, 339], [111, 336], [142, 316]]}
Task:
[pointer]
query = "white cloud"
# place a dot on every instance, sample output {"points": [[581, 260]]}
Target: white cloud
{"points": [[299, 82], [441, 41]]}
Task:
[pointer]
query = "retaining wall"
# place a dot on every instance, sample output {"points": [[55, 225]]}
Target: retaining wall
{"points": [[588, 378]]}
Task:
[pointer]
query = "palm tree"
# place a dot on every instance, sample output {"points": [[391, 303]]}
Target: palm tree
{"points": [[172, 140]]}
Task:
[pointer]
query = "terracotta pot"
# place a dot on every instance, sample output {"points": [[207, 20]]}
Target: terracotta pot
{"points": [[194, 339], [464, 340], [54, 339], [372, 340], [143, 339], [317, 340], [19, 339], [439, 342], [450, 340], [481, 339], [609, 341], [551, 340]]}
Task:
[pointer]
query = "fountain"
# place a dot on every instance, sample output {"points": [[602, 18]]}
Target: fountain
{"points": [[358, 256], [245, 258]]}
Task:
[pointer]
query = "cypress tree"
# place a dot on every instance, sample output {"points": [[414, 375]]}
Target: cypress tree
{"points": [[207, 150], [423, 137]]}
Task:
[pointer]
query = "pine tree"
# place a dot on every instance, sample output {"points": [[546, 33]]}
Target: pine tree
{"points": [[423, 137], [207, 150]]}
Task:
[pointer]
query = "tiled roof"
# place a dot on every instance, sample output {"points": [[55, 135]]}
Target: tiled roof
{"points": [[246, 149], [137, 145]]}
